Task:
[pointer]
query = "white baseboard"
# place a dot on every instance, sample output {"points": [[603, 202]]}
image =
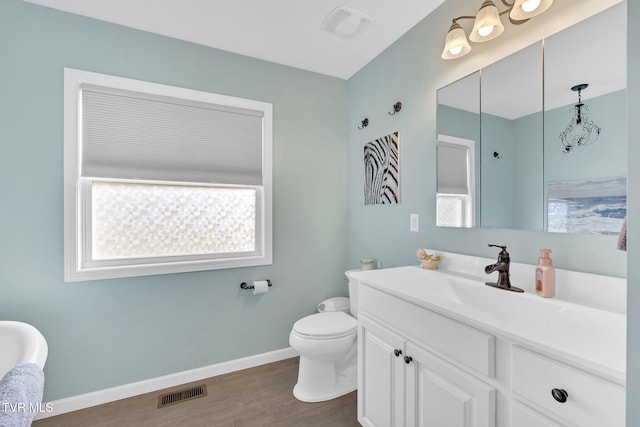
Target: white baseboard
{"points": [[82, 401]]}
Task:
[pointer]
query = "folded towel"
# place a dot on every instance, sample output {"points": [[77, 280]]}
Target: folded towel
{"points": [[622, 238], [21, 392]]}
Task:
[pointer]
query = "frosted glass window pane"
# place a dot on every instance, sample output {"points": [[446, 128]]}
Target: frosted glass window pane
{"points": [[148, 220], [450, 211]]}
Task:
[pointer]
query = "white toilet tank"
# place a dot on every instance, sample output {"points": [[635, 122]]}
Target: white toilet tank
{"points": [[348, 305], [353, 293], [335, 304]]}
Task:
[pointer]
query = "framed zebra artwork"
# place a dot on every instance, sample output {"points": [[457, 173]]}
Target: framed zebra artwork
{"points": [[382, 170]]}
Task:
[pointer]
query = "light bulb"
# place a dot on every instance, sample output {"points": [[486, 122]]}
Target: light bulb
{"points": [[456, 50], [485, 31], [530, 5]]}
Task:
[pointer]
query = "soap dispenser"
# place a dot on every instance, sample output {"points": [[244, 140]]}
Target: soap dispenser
{"points": [[545, 275]]}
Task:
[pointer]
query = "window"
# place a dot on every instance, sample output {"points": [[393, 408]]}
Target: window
{"points": [[161, 179], [456, 182]]}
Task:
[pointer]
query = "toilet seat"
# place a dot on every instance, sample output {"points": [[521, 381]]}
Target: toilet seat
{"points": [[327, 325]]}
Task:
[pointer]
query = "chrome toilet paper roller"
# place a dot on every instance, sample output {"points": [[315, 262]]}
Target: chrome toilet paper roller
{"points": [[258, 286]]}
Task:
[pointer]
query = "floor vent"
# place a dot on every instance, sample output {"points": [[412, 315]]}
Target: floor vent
{"points": [[182, 395]]}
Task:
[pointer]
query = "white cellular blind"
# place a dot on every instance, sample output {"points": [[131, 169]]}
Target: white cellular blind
{"points": [[452, 169], [133, 135]]}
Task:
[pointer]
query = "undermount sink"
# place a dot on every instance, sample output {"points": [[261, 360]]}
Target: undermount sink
{"points": [[21, 343]]}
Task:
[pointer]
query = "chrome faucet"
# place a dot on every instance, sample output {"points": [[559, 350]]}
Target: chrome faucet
{"points": [[502, 267]]}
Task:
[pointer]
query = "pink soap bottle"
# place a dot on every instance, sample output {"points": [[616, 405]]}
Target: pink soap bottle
{"points": [[545, 275]]}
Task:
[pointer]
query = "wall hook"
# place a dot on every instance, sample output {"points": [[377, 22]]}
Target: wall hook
{"points": [[396, 108], [496, 155], [365, 123]]}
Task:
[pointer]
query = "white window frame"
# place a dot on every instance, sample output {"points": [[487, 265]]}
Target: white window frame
{"points": [[77, 209], [468, 219]]}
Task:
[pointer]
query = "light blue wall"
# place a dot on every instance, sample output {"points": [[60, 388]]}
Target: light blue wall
{"points": [[111, 332], [528, 211], [498, 135], [459, 123], [411, 71], [107, 333], [608, 112]]}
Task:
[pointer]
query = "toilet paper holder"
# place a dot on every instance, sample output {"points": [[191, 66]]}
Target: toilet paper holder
{"points": [[245, 285]]}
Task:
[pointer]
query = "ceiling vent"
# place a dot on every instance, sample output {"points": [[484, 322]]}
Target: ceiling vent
{"points": [[346, 22]]}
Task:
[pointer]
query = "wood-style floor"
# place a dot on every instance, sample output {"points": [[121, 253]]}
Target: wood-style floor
{"points": [[260, 396]]}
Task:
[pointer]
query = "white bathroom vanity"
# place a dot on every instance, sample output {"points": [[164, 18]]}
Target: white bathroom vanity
{"points": [[439, 348]]}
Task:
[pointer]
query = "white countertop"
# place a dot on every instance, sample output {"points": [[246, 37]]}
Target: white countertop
{"points": [[586, 337]]}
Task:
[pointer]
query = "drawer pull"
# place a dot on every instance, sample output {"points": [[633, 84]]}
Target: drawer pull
{"points": [[559, 395], [397, 352], [408, 359]]}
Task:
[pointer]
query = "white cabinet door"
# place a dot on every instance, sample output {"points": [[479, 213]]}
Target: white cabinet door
{"points": [[441, 395], [380, 375]]}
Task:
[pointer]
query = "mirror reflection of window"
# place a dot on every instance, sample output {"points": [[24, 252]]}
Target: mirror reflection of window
{"points": [[455, 197], [458, 125]]}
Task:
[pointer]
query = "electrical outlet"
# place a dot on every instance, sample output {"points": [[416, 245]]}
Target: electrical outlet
{"points": [[414, 222]]}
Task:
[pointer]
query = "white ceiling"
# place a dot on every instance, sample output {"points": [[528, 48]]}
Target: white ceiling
{"points": [[281, 31]]}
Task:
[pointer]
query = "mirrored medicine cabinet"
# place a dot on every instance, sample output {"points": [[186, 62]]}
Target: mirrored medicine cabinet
{"points": [[509, 153]]}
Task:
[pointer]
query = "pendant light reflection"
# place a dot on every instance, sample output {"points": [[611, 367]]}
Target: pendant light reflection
{"points": [[487, 24], [581, 131]]}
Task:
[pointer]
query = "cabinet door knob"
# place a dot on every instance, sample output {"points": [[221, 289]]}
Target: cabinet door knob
{"points": [[408, 359], [397, 352], [559, 395]]}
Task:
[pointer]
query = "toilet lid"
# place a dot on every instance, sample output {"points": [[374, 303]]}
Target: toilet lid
{"points": [[332, 324]]}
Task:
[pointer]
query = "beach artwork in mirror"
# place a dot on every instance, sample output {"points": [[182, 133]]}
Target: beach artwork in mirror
{"points": [[587, 206]]}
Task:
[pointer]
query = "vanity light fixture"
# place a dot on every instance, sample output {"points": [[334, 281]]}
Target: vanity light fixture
{"points": [[487, 25], [527, 9], [581, 131]]}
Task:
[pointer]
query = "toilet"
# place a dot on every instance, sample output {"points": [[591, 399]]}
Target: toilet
{"points": [[327, 343]]}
